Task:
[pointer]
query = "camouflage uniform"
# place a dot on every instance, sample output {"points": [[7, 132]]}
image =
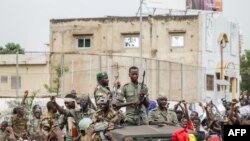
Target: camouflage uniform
{"points": [[131, 92], [19, 124], [102, 121], [55, 133], [100, 117], [77, 115], [167, 115], [101, 91]]}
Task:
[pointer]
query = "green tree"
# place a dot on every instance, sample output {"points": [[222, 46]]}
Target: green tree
{"points": [[245, 71], [11, 48], [56, 83]]}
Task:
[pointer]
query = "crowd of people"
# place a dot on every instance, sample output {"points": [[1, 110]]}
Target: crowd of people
{"points": [[83, 120]]}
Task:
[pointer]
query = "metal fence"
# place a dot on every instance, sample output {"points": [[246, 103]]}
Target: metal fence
{"points": [[176, 81]]}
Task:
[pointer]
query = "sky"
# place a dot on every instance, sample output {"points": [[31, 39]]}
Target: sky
{"points": [[26, 22]]}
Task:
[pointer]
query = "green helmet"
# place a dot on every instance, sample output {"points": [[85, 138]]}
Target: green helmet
{"points": [[84, 123]]}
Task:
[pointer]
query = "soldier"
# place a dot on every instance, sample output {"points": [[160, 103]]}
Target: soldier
{"points": [[90, 131], [19, 123], [85, 104], [69, 117], [133, 93], [102, 89], [162, 115], [105, 113], [85, 112]]}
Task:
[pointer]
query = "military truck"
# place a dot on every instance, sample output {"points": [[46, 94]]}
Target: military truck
{"points": [[145, 133]]}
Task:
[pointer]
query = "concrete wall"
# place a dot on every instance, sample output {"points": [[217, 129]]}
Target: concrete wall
{"points": [[33, 70]]}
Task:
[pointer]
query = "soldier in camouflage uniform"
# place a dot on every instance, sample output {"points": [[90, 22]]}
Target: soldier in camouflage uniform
{"points": [[102, 89], [86, 111], [68, 116], [18, 122], [105, 113], [74, 113], [161, 114], [104, 119], [132, 92]]}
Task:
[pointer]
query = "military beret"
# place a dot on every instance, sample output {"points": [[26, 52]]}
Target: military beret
{"points": [[101, 74], [161, 96]]}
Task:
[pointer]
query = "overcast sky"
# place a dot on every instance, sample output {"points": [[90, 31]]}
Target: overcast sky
{"points": [[27, 21]]}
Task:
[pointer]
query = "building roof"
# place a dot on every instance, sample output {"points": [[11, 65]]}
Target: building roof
{"points": [[126, 19], [23, 59]]}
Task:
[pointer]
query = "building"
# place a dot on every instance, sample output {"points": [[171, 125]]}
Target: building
{"points": [[180, 54], [31, 69]]}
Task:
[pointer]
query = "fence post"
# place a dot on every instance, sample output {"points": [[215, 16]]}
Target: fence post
{"points": [[157, 77], [17, 75], [170, 80], [181, 81]]}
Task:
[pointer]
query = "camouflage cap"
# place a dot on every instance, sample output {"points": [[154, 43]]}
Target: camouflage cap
{"points": [[101, 74]]}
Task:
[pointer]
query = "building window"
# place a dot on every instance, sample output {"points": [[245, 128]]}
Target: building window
{"points": [[218, 78], [83, 41], [14, 81], [131, 41], [177, 40], [4, 79], [210, 82]]}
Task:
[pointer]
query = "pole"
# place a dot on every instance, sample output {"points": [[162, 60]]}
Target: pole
{"points": [[182, 97], [100, 63], [90, 72], [141, 1], [170, 81], [17, 75], [221, 65], [157, 77], [72, 74]]}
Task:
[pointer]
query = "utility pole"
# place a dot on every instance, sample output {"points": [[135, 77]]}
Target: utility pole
{"points": [[141, 1], [72, 74], [17, 75], [223, 43]]}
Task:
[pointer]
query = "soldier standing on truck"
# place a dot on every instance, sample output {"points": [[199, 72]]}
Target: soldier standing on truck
{"points": [[132, 92], [102, 89]]}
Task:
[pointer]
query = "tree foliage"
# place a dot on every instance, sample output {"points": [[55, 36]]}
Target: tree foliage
{"points": [[11, 48], [56, 83], [245, 71]]}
